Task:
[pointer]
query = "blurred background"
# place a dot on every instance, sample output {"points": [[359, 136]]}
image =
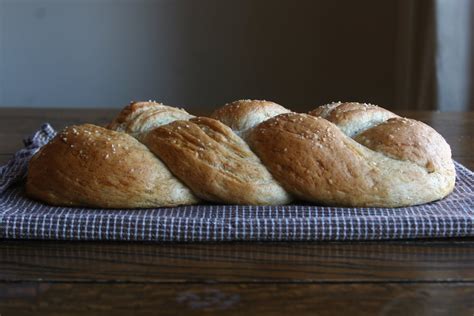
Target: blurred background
{"points": [[401, 54]]}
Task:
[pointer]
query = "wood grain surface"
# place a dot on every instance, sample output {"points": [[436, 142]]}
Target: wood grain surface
{"points": [[423, 277], [236, 299], [389, 261]]}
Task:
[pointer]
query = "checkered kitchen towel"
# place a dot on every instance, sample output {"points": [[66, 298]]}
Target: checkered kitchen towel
{"points": [[21, 218]]}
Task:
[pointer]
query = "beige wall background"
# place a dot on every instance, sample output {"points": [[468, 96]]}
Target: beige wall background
{"points": [[199, 53]]}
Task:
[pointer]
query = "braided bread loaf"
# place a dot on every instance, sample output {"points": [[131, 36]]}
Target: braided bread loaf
{"points": [[247, 152]]}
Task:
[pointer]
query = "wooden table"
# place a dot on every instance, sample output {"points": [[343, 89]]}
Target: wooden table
{"points": [[422, 277]]}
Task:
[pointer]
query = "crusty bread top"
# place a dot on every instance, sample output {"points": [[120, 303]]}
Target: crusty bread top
{"points": [[139, 117], [315, 161], [88, 165], [241, 116], [214, 162], [353, 117], [386, 132], [349, 154], [408, 140]]}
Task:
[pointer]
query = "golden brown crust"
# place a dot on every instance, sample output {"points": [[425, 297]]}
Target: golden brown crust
{"points": [[243, 115], [140, 117], [409, 140], [214, 162], [353, 117], [91, 166], [130, 111], [347, 154], [316, 162]]}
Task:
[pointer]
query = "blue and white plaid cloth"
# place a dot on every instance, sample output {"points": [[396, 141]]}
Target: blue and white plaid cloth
{"points": [[22, 218]]}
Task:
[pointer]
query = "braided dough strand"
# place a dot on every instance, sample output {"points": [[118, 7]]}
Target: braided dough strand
{"points": [[392, 163], [247, 152]]}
